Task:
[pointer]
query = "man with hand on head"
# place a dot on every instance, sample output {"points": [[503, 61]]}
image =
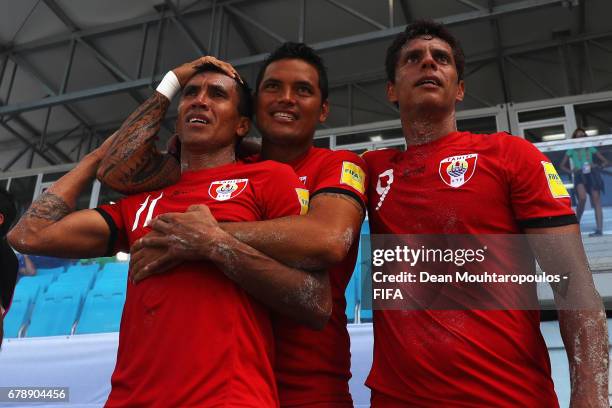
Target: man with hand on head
{"points": [[450, 182], [312, 367], [201, 334], [8, 260]]}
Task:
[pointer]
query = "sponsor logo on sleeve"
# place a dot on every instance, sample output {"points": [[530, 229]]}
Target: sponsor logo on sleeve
{"points": [[304, 199], [555, 184], [455, 171], [225, 189], [353, 175]]}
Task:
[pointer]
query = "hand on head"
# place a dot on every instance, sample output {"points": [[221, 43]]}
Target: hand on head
{"points": [[186, 71]]}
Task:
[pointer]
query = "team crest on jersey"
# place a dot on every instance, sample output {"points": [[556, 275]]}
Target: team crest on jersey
{"points": [[455, 171], [225, 189], [303, 179]]}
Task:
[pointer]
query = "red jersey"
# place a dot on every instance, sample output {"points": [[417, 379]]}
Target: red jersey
{"points": [[192, 337], [462, 183], [313, 367]]}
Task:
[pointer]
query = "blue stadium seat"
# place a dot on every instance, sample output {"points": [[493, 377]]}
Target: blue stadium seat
{"points": [[363, 275], [351, 297], [115, 283], [83, 268], [54, 314], [114, 267], [50, 271], [33, 285], [74, 276], [102, 311], [114, 275], [79, 287], [17, 315]]}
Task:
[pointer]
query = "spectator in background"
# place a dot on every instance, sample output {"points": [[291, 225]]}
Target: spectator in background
{"points": [[587, 178], [26, 265], [29, 265], [8, 260]]}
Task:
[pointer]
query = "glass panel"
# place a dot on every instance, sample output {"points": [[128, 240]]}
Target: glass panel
{"points": [[357, 138], [22, 189], [595, 118], [323, 142], [4, 183], [108, 196], [401, 147], [545, 134], [83, 200], [52, 176], [370, 136], [478, 125], [541, 114]]}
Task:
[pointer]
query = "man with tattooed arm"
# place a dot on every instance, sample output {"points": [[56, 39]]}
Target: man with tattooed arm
{"points": [[201, 334], [312, 367]]}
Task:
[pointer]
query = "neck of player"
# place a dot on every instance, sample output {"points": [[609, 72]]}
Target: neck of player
{"points": [[192, 160], [281, 152], [422, 126]]}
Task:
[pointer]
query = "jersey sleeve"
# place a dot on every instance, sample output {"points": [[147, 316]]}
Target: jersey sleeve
{"points": [[343, 172], [539, 198], [113, 216], [280, 193]]}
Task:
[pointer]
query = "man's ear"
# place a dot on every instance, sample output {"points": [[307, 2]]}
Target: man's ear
{"points": [[324, 111], [244, 124], [460, 91], [391, 96], [1, 218]]}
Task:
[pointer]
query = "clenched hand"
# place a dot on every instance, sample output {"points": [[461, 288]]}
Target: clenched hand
{"points": [[176, 237]]}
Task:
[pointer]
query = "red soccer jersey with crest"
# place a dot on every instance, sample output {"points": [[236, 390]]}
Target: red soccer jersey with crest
{"points": [[462, 183], [313, 367], [192, 337]]}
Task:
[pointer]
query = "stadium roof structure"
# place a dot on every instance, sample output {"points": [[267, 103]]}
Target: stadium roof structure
{"points": [[71, 71]]}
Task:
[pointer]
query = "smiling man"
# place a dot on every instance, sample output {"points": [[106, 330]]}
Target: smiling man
{"points": [[451, 182], [312, 367], [196, 336]]}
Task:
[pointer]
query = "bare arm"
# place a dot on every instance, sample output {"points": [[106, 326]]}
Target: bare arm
{"points": [[564, 165], [51, 226], [582, 319], [195, 235], [317, 240], [28, 269], [602, 159], [133, 164]]}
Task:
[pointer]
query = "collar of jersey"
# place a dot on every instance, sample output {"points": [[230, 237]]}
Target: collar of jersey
{"points": [[198, 174]]}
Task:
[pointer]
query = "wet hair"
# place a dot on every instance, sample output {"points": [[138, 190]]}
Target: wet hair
{"points": [[418, 29], [300, 51], [8, 209], [574, 135], [245, 99]]}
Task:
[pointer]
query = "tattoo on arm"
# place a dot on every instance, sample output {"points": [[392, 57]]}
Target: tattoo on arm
{"points": [[141, 126], [48, 207], [133, 159]]}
